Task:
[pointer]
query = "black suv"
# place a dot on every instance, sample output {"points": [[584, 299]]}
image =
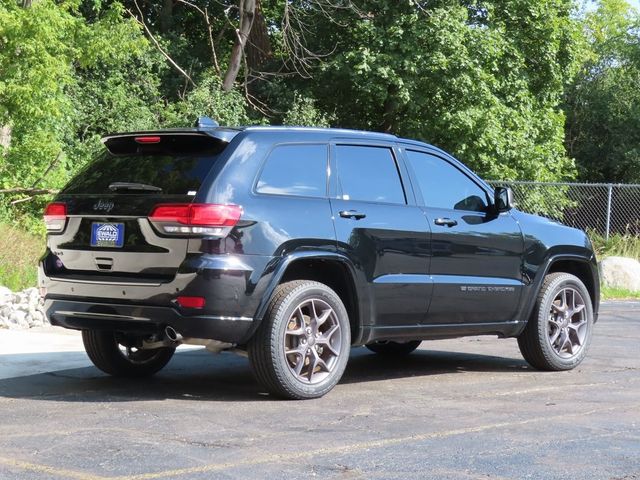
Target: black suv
{"points": [[294, 244]]}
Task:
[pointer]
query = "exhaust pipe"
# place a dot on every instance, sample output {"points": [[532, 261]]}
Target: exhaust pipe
{"points": [[172, 335], [214, 346]]}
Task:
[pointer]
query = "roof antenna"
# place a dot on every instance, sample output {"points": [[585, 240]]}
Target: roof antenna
{"points": [[205, 123]]}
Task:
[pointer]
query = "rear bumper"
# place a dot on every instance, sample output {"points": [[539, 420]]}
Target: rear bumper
{"points": [[144, 319], [232, 285]]}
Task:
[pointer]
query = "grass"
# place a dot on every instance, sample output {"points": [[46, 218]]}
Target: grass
{"points": [[19, 254], [610, 293], [618, 245]]}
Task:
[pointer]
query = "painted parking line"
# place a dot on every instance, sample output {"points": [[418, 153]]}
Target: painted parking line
{"points": [[288, 457], [64, 473]]}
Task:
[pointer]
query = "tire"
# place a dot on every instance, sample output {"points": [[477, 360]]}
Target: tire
{"points": [[104, 350], [395, 349], [324, 339], [558, 334]]}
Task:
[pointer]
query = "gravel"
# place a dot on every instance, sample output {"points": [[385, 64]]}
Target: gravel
{"points": [[20, 310]]}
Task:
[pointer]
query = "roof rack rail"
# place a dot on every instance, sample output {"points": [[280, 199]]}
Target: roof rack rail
{"points": [[206, 123]]}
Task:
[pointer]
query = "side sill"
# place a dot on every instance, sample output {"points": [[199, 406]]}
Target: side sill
{"points": [[435, 332]]}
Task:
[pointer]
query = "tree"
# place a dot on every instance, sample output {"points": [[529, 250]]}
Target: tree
{"points": [[48, 54], [603, 103], [483, 81]]}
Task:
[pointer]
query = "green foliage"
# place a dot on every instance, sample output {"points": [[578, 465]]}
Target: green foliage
{"points": [[483, 81], [542, 200], [60, 74], [610, 293], [617, 245], [19, 253], [208, 99], [305, 113], [603, 103]]}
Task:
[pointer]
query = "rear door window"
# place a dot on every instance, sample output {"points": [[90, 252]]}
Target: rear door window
{"points": [[369, 174], [299, 170]]}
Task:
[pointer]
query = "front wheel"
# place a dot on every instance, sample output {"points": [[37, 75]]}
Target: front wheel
{"points": [[558, 333], [302, 346], [117, 355]]}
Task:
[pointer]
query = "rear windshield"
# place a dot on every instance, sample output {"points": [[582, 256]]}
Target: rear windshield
{"points": [[174, 174]]}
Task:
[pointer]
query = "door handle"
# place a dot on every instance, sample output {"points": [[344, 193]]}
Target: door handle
{"points": [[352, 214], [445, 222]]}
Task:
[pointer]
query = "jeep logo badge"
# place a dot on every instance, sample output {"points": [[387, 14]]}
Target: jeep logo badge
{"points": [[103, 205]]}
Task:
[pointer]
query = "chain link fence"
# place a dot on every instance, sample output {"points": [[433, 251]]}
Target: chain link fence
{"points": [[600, 207]]}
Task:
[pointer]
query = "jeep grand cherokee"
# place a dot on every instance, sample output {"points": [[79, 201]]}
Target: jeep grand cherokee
{"points": [[294, 244]]}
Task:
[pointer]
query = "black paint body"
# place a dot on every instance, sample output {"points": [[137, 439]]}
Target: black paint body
{"points": [[401, 275]]}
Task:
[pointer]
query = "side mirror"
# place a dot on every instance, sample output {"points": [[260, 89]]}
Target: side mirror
{"points": [[503, 199]]}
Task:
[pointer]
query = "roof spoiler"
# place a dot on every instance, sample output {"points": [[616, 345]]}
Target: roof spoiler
{"points": [[203, 126]]}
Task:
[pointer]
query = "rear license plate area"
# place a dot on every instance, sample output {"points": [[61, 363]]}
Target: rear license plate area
{"points": [[109, 235]]}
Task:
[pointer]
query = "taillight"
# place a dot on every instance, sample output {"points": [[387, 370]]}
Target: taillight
{"points": [[55, 217], [195, 218]]}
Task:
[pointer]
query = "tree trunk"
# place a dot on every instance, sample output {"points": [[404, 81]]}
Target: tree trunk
{"points": [[5, 138], [259, 48], [390, 109], [26, 3], [166, 16], [247, 14]]}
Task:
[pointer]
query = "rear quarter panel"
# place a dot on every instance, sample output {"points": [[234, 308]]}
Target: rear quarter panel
{"points": [[272, 227]]}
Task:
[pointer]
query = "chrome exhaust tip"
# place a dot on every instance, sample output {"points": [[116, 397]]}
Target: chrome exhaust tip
{"points": [[172, 335]]}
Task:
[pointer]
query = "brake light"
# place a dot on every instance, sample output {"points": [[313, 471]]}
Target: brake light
{"points": [[153, 139], [55, 217], [195, 218]]}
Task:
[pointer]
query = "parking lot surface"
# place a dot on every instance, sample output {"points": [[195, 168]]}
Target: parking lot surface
{"points": [[460, 409]]}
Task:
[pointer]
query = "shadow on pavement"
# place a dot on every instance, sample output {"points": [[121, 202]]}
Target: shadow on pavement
{"points": [[198, 375]]}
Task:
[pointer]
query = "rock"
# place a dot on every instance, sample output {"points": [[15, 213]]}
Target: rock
{"points": [[5, 311], [33, 295], [621, 272], [24, 307], [37, 319], [21, 310], [20, 298], [5, 295], [19, 318]]}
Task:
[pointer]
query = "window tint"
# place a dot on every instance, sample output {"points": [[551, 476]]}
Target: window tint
{"points": [[295, 170], [444, 186], [369, 174], [178, 174]]}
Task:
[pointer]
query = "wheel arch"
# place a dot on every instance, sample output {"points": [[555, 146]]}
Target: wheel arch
{"points": [[582, 267], [332, 269], [582, 270]]}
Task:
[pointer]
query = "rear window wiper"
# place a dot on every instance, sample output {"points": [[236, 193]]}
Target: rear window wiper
{"points": [[133, 186]]}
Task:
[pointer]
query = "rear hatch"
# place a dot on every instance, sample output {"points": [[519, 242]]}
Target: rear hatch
{"points": [[102, 226]]}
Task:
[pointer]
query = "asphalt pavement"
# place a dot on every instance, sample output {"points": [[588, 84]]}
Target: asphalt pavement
{"points": [[455, 409]]}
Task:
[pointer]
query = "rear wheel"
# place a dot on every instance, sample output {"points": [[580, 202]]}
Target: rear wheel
{"points": [[558, 334], [396, 349], [117, 355], [302, 346]]}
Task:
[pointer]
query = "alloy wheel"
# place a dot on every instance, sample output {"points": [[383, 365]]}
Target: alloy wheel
{"points": [[568, 326], [312, 341]]}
